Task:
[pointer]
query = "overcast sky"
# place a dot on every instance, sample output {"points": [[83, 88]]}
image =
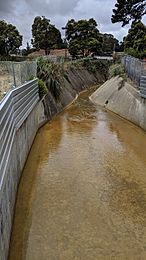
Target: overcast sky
{"points": [[22, 12]]}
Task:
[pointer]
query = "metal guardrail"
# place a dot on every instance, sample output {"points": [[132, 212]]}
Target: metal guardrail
{"points": [[14, 109]]}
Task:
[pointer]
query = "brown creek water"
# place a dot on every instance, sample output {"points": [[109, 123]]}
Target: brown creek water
{"points": [[82, 195]]}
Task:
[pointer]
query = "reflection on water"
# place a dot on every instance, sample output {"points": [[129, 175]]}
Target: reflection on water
{"points": [[83, 190]]}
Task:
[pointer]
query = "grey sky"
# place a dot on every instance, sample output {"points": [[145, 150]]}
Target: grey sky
{"points": [[22, 12]]}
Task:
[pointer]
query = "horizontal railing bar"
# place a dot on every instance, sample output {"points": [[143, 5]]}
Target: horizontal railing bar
{"points": [[3, 134], [28, 112], [22, 113], [20, 110], [14, 109], [18, 96], [23, 98], [5, 115]]}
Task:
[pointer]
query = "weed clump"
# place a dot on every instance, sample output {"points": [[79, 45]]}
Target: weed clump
{"points": [[42, 88], [51, 74], [116, 70]]}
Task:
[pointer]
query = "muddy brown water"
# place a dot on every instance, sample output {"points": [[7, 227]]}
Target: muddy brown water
{"points": [[82, 195]]}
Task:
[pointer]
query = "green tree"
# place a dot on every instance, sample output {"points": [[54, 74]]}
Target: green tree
{"points": [[121, 46], [135, 42], [45, 35], [26, 51], [109, 43], [127, 10], [10, 39], [83, 37]]}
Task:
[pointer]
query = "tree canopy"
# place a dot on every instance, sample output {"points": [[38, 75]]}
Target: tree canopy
{"points": [[109, 43], [127, 10], [10, 39], [135, 42], [83, 37], [45, 35]]}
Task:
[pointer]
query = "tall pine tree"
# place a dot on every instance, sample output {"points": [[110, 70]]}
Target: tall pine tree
{"points": [[127, 10], [135, 41]]}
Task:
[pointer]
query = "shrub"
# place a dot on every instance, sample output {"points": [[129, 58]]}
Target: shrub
{"points": [[31, 78], [116, 70], [93, 65], [136, 53], [52, 75], [42, 88], [102, 66]]}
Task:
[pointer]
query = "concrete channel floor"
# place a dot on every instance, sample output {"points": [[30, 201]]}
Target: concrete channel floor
{"points": [[82, 195]]}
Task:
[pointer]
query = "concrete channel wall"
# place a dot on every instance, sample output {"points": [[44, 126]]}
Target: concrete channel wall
{"points": [[123, 99], [19, 122]]}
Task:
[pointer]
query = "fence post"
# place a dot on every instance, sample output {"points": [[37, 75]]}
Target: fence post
{"points": [[14, 78], [144, 66]]}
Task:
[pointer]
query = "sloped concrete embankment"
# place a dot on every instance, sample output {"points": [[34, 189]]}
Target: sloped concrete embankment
{"points": [[76, 80], [123, 99]]}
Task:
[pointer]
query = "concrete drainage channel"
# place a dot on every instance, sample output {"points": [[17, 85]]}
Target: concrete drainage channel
{"points": [[21, 115]]}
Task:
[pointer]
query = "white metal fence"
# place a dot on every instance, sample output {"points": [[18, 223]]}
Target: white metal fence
{"points": [[135, 68], [15, 107], [143, 87]]}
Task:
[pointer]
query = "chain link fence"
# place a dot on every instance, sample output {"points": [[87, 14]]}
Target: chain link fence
{"points": [[57, 59], [14, 74], [135, 68]]}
